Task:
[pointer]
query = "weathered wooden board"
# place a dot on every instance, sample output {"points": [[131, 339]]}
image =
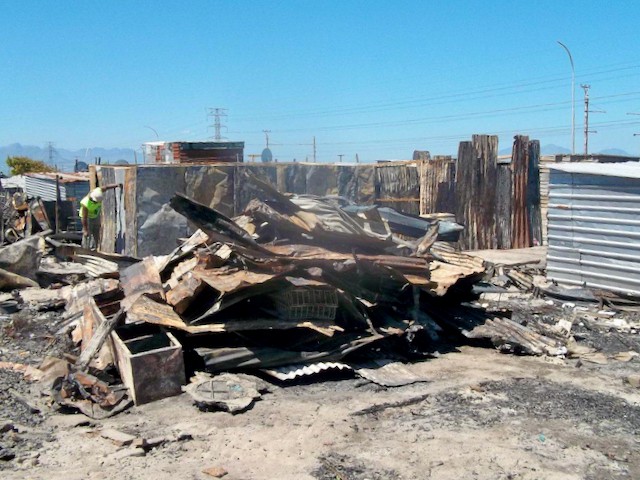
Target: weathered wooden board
{"points": [[141, 278]]}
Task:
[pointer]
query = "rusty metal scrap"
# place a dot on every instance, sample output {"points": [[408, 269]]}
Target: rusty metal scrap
{"points": [[352, 287], [326, 298], [437, 185]]}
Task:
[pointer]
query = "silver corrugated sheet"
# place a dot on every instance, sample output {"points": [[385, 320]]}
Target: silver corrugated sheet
{"points": [[389, 373], [15, 182], [594, 226], [45, 188], [544, 200], [289, 372]]}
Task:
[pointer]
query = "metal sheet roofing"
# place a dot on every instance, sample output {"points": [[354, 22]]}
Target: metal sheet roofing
{"points": [[64, 177], [624, 169]]}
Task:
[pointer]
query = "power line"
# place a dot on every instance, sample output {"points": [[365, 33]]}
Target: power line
{"points": [[538, 130], [542, 107], [418, 102], [439, 99]]}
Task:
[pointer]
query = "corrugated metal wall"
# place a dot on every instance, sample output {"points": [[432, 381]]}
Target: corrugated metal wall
{"points": [[594, 231], [397, 185]]}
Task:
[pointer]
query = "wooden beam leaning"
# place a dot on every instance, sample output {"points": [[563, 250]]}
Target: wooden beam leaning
{"points": [[102, 332]]}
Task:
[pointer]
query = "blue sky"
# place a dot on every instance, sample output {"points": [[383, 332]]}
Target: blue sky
{"points": [[376, 78]]}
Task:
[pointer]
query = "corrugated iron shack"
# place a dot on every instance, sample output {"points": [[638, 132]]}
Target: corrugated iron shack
{"points": [[194, 152], [139, 221], [594, 226], [73, 186], [497, 200], [548, 160]]}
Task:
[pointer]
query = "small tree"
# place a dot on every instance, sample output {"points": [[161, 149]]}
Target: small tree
{"points": [[22, 165]]}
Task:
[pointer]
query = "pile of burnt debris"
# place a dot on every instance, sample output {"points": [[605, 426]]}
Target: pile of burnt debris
{"points": [[295, 285]]}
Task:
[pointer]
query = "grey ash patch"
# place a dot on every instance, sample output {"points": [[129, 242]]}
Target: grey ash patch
{"points": [[337, 466], [539, 399]]}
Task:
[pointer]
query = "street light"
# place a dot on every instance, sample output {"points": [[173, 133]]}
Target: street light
{"points": [[573, 100], [153, 130]]}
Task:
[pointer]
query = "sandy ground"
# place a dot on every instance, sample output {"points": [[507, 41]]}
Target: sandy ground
{"points": [[483, 415]]}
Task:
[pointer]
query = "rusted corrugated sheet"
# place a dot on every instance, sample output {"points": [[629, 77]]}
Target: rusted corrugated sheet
{"points": [[520, 233], [476, 178], [398, 186], [366, 184], [437, 185], [503, 205], [526, 229], [533, 193]]}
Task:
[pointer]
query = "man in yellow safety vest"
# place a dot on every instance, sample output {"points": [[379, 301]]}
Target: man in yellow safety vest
{"points": [[89, 212]]}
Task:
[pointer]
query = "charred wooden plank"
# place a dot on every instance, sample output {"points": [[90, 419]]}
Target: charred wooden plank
{"points": [[185, 292], [149, 311], [209, 219], [106, 325], [141, 278]]}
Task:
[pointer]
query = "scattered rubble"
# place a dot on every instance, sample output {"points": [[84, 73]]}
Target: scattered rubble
{"points": [[296, 286]]}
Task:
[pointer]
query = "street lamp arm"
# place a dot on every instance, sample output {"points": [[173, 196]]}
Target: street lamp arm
{"points": [[573, 99], [568, 53], [153, 130]]}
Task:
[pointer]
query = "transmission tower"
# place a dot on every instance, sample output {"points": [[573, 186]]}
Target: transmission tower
{"points": [[315, 150], [51, 152], [217, 114]]}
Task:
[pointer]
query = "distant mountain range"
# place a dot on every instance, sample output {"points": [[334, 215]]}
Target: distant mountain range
{"points": [[552, 149], [65, 159]]}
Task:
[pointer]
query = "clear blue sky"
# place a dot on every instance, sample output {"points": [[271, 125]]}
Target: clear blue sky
{"points": [[377, 78]]}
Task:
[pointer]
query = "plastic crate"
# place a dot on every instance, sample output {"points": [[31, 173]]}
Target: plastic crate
{"points": [[307, 303]]}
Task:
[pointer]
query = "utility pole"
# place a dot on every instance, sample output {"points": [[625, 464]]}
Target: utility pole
{"points": [[634, 113], [217, 114], [341, 155], [357, 158], [266, 134], [314, 150], [586, 119]]}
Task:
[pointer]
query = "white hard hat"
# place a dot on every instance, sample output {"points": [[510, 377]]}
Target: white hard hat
{"points": [[96, 194]]}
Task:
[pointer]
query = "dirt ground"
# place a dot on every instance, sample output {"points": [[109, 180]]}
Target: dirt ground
{"points": [[482, 415]]}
